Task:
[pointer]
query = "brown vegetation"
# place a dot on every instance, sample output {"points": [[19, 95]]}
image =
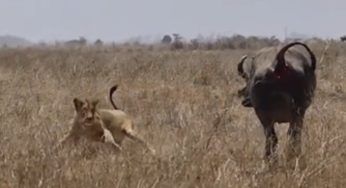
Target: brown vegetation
{"points": [[183, 102]]}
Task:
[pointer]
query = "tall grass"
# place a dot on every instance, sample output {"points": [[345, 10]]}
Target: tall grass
{"points": [[183, 102]]}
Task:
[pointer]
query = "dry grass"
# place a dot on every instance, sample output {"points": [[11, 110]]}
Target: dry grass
{"points": [[183, 102]]}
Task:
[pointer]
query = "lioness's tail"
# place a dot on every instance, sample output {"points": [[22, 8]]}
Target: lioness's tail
{"points": [[111, 91]]}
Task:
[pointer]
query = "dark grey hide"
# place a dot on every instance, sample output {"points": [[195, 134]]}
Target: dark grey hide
{"points": [[280, 87]]}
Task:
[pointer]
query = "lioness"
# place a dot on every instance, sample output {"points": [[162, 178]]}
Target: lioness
{"points": [[87, 123], [107, 125]]}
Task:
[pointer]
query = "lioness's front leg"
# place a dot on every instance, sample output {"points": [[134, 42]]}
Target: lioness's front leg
{"points": [[108, 138]]}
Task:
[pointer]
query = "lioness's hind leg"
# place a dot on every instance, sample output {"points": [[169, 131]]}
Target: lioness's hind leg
{"points": [[131, 134]]}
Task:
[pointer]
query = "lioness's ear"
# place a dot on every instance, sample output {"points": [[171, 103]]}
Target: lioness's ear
{"points": [[77, 104], [94, 103]]}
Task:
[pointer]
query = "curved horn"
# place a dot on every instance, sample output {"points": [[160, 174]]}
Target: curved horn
{"points": [[240, 66], [281, 55], [111, 91]]}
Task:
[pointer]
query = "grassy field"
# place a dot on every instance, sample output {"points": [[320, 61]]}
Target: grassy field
{"points": [[183, 102]]}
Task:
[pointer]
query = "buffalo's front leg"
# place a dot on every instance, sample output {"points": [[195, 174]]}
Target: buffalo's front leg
{"points": [[294, 137], [271, 138], [271, 141]]}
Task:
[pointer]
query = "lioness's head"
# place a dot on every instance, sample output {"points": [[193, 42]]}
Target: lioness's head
{"points": [[86, 112]]}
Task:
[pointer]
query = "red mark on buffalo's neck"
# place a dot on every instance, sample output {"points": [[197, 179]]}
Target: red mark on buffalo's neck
{"points": [[282, 72]]}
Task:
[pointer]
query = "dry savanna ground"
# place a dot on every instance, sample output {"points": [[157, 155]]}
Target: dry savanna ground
{"points": [[183, 102]]}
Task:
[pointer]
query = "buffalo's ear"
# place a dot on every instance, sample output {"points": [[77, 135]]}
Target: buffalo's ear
{"points": [[77, 104], [247, 102]]}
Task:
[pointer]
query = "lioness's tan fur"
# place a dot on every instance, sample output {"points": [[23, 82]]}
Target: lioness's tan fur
{"points": [[92, 128], [120, 124], [107, 125]]}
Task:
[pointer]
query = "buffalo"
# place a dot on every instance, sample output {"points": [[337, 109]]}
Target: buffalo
{"points": [[280, 86], [343, 38]]}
